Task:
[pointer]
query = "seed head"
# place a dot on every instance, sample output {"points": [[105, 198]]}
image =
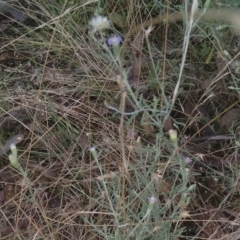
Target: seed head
{"points": [[99, 23]]}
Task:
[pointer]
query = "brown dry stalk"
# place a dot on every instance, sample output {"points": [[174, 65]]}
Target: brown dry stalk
{"points": [[121, 135], [121, 126], [214, 14]]}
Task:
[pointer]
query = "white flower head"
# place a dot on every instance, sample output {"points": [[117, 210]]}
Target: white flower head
{"points": [[152, 200], [99, 23], [92, 149]]}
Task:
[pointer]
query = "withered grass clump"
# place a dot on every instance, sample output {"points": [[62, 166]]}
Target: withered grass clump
{"points": [[135, 137]]}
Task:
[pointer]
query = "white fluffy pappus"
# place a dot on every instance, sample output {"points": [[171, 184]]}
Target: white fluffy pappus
{"points": [[99, 23]]}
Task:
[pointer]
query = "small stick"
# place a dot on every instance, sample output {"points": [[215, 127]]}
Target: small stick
{"points": [[121, 126]]}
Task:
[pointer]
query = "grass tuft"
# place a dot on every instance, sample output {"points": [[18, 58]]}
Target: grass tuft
{"points": [[119, 120]]}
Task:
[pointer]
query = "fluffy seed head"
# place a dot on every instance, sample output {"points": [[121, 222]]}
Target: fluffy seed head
{"points": [[99, 23]]}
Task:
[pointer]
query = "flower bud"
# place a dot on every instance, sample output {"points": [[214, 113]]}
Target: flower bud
{"points": [[173, 137]]}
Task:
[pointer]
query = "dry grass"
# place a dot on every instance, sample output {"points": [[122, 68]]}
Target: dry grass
{"points": [[96, 146]]}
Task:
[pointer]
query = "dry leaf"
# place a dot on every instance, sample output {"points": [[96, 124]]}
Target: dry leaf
{"points": [[138, 63], [13, 15], [10, 192], [13, 140], [168, 124], [54, 169], [82, 141], [54, 200], [34, 127], [2, 197], [157, 178], [222, 63], [118, 19], [131, 134], [18, 115], [48, 171], [106, 176], [4, 24], [229, 118], [197, 116], [90, 236], [165, 187], [184, 214], [7, 176], [147, 125]]}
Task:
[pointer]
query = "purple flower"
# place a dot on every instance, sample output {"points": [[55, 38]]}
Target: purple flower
{"points": [[114, 40], [187, 159]]}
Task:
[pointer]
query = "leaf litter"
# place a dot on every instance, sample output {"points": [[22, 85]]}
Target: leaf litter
{"points": [[12, 14]]}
